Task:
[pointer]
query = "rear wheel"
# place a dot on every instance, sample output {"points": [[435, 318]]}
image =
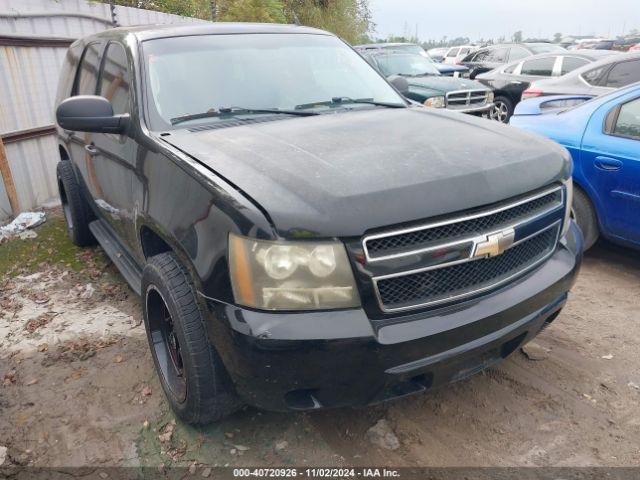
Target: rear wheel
{"points": [[585, 216], [191, 373], [77, 212], [502, 110]]}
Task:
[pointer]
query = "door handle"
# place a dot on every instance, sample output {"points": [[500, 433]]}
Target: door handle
{"points": [[608, 164], [91, 149]]}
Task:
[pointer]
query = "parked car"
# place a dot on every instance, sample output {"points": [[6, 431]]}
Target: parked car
{"points": [[594, 79], [427, 86], [624, 44], [604, 45], [603, 137], [455, 54], [437, 54], [309, 240], [494, 56], [448, 70], [635, 48], [510, 81]]}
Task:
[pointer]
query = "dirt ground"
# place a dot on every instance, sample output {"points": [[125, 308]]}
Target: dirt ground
{"points": [[77, 385]]}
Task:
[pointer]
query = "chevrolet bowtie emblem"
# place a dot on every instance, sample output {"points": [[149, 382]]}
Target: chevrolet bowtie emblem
{"points": [[495, 244]]}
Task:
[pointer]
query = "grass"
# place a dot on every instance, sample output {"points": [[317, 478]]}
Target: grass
{"points": [[52, 246]]}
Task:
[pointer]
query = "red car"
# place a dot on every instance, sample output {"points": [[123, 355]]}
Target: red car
{"points": [[635, 48]]}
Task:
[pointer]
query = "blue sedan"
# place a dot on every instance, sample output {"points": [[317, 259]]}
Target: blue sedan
{"points": [[603, 136]]}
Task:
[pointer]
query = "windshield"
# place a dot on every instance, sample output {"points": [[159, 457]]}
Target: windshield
{"points": [[546, 48], [206, 73], [406, 65], [409, 49]]}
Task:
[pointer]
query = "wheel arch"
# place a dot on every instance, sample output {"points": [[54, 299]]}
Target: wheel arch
{"points": [[587, 191], [153, 241]]}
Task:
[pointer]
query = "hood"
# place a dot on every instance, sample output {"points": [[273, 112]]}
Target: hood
{"points": [[444, 84], [341, 174]]}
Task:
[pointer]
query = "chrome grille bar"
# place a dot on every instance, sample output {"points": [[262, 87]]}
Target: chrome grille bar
{"points": [[478, 237]]}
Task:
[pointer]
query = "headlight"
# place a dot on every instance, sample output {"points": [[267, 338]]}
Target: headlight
{"points": [[291, 275], [490, 97], [568, 195], [434, 102]]}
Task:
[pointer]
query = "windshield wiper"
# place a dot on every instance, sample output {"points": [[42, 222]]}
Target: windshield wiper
{"points": [[231, 111], [349, 100]]}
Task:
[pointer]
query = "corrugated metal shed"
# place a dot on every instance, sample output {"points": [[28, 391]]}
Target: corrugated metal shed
{"points": [[34, 35]]}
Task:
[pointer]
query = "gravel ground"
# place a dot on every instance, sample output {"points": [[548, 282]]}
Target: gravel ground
{"points": [[77, 385]]}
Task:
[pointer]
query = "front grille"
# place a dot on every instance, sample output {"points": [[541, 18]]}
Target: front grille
{"points": [[453, 230], [466, 99], [444, 284]]}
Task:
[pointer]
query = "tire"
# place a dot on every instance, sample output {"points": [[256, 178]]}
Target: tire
{"points": [[190, 371], [502, 110], [77, 212], [585, 216]]}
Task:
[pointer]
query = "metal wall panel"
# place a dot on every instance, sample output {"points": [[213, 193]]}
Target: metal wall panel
{"points": [[29, 77]]}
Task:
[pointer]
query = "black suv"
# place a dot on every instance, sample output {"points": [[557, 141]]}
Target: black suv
{"points": [[300, 235], [493, 56]]}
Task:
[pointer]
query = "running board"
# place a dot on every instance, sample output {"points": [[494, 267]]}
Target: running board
{"points": [[118, 255]]}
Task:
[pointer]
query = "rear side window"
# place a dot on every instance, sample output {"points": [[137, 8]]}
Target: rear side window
{"points": [[480, 56], [115, 80], [516, 53], [498, 55], [569, 64], [624, 73], [540, 67], [628, 122], [87, 76], [593, 76]]}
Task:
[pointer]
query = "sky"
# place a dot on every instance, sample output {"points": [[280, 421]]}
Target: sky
{"points": [[493, 18]]}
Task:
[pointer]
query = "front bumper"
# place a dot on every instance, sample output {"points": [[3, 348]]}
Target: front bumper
{"points": [[475, 110], [300, 361]]}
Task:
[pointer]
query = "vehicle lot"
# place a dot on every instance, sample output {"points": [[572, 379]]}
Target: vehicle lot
{"points": [[77, 384]]}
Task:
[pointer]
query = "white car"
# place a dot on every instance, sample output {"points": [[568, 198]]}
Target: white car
{"points": [[455, 54]]}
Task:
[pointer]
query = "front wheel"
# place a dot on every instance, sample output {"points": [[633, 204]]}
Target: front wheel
{"points": [[585, 216], [190, 371], [502, 110]]}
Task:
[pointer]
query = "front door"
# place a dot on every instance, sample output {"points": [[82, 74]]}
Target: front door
{"points": [[611, 164], [113, 155], [85, 84]]}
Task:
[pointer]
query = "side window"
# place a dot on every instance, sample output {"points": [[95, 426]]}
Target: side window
{"points": [[481, 56], [498, 55], [115, 78], [463, 51], [628, 121], [86, 78], [453, 52], [540, 67], [516, 53], [624, 73], [593, 76], [571, 63]]}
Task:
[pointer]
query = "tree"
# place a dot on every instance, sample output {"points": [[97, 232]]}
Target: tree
{"points": [[557, 37], [266, 11], [349, 19], [517, 37]]}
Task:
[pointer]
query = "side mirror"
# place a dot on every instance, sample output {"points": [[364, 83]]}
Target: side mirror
{"points": [[90, 113], [401, 83]]}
